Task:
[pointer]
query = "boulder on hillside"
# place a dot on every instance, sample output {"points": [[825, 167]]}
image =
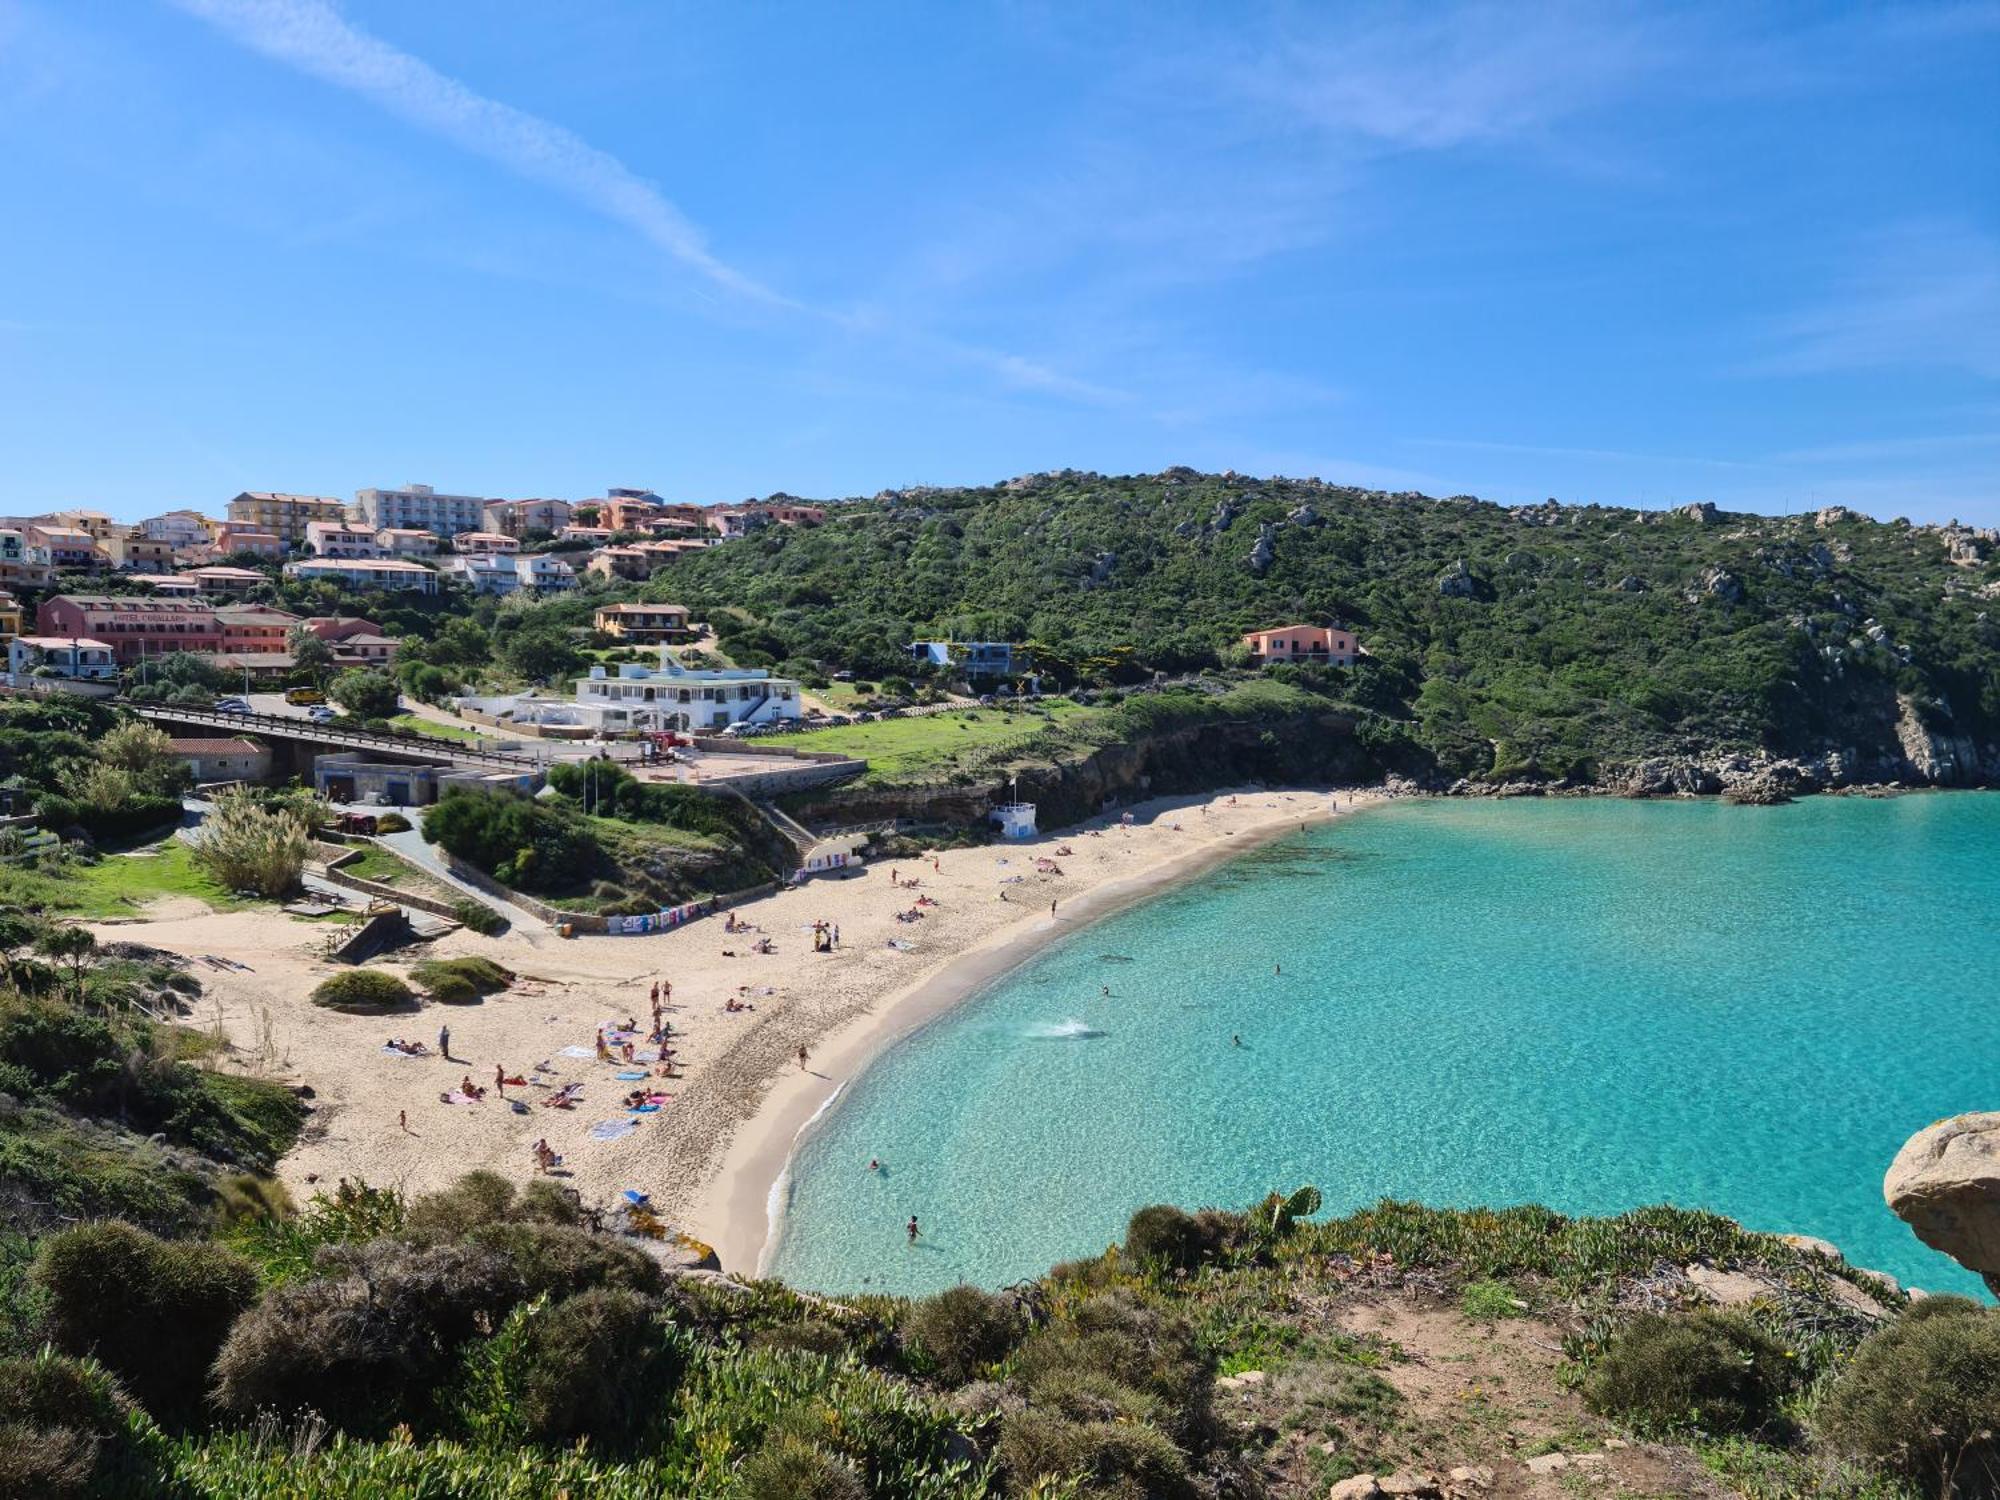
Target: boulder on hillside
{"points": [[1945, 1184], [1458, 582], [1265, 552]]}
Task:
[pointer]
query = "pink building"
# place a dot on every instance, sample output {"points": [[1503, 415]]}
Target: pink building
{"points": [[1319, 643]]}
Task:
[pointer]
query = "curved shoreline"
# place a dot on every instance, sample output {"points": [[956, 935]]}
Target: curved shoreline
{"points": [[741, 1209]]}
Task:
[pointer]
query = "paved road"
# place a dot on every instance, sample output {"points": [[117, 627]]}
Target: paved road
{"points": [[410, 844]]}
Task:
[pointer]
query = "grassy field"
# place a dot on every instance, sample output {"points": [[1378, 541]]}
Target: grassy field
{"points": [[118, 885], [932, 744]]}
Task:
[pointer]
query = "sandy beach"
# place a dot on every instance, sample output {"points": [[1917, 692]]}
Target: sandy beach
{"points": [[710, 1156]]}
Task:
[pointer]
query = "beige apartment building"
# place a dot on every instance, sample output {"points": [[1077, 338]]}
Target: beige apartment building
{"points": [[284, 516]]}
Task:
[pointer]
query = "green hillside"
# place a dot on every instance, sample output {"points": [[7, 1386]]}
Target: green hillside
{"points": [[1541, 640]]}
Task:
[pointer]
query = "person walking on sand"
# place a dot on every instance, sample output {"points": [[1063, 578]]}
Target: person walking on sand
{"points": [[403, 1119], [1052, 907], [913, 1229], [444, 1043], [803, 1055], [500, 1080]]}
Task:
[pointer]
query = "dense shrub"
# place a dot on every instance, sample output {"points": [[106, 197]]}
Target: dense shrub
{"points": [[450, 989], [786, 1468], [594, 1365], [1922, 1399], [370, 1342], [560, 1260], [1145, 1348], [1170, 1238], [478, 917], [67, 1430], [460, 980], [154, 1311], [362, 990], [961, 1331], [393, 822], [1118, 1461], [518, 841], [451, 1213], [1711, 1371]]}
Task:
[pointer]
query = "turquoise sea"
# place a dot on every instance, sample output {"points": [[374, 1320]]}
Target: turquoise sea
{"points": [[1587, 1004]]}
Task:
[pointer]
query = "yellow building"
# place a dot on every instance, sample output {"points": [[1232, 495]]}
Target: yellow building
{"points": [[284, 516], [130, 551], [10, 617]]}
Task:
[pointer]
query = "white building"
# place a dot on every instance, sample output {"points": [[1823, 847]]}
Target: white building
{"points": [[420, 506], [483, 573], [390, 574], [78, 659], [178, 528], [542, 573], [338, 539], [671, 696]]}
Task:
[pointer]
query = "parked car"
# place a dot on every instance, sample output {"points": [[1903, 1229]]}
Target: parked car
{"points": [[233, 706], [302, 697], [321, 714]]}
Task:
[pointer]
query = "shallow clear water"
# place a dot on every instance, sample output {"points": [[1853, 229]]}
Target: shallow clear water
{"points": [[1587, 1004]]}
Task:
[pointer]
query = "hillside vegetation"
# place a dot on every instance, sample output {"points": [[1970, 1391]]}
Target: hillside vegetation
{"points": [[1548, 641]]}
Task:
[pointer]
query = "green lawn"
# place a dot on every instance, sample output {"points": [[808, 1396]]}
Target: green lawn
{"points": [[923, 745], [118, 885], [411, 724]]}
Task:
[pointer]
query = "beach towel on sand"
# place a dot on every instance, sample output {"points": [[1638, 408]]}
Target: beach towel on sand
{"points": [[611, 1130], [455, 1097], [645, 1109], [631, 1077], [578, 1052]]}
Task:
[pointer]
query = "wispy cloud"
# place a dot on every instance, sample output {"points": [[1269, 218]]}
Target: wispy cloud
{"points": [[1917, 296], [1450, 76], [315, 38]]}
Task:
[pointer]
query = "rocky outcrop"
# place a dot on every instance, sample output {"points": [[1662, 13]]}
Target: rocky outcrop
{"points": [[1935, 758], [1265, 552], [1945, 1184], [1457, 582], [1716, 583], [1702, 511]]}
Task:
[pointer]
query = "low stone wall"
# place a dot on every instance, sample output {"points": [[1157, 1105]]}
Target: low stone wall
{"points": [[437, 906], [780, 780], [580, 922]]}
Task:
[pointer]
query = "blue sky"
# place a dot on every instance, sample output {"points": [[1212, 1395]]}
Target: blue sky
{"points": [[1622, 253]]}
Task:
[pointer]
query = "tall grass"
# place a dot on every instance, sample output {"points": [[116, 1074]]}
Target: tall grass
{"points": [[247, 846]]}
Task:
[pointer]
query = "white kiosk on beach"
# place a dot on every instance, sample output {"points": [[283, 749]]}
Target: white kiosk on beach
{"points": [[1017, 818]]}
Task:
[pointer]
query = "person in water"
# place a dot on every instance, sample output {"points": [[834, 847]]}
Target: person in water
{"points": [[913, 1229]]}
